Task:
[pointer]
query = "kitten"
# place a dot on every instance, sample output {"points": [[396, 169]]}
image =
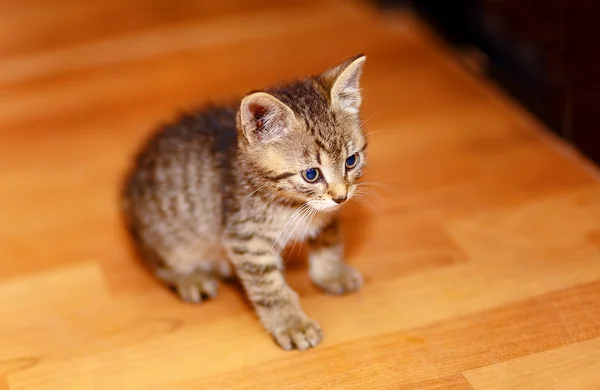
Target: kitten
{"points": [[224, 190]]}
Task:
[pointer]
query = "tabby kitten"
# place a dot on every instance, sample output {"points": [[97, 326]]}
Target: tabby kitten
{"points": [[225, 190]]}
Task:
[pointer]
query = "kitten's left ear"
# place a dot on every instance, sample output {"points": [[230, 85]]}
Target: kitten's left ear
{"points": [[344, 80]]}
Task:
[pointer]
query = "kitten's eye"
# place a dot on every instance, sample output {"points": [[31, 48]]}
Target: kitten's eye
{"points": [[352, 161], [311, 175]]}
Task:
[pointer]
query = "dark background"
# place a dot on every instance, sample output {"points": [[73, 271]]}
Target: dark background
{"points": [[543, 52]]}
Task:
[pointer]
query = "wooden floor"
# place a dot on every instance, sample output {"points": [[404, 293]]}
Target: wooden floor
{"points": [[481, 252]]}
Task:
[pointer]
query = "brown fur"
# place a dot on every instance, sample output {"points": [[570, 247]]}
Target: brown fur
{"points": [[222, 190]]}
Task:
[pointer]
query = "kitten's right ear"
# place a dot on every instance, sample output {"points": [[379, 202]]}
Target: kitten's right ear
{"points": [[344, 81], [264, 117]]}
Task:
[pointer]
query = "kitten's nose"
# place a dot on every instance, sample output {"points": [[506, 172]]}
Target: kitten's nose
{"points": [[340, 199]]}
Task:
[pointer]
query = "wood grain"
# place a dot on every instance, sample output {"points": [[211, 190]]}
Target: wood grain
{"points": [[574, 366], [480, 248]]}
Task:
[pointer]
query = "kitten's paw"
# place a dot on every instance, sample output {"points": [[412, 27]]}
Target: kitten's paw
{"points": [[224, 270], [348, 279], [194, 288], [299, 332], [197, 290]]}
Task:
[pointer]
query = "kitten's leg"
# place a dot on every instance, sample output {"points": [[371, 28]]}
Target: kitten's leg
{"points": [[194, 286], [326, 262], [189, 271], [259, 268]]}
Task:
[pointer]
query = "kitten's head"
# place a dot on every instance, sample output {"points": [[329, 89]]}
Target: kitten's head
{"points": [[304, 140]]}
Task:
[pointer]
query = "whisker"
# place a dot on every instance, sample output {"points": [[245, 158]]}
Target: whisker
{"points": [[289, 219], [368, 192], [376, 183], [298, 220], [360, 202], [296, 240], [365, 203], [270, 200], [360, 194], [312, 214], [256, 190], [377, 186], [299, 223], [368, 189], [373, 132], [369, 118]]}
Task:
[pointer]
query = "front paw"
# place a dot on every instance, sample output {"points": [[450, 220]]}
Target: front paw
{"points": [[298, 332], [344, 280]]}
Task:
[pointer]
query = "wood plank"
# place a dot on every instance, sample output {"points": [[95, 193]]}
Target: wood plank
{"points": [[401, 350], [442, 349], [453, 382], [575, 366], [56, 22]]}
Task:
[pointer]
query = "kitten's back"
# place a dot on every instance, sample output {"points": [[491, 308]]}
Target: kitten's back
{"points": [[178, 180]]}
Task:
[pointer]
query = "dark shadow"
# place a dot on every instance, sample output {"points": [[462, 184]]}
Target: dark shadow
{"points": [[355, 220]]}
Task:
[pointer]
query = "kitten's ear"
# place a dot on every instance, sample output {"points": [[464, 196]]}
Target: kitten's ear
{"points": [[263, 117], [344, 81]]}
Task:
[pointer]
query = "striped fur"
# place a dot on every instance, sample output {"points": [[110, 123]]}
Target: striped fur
{"points": [[220, 191]]}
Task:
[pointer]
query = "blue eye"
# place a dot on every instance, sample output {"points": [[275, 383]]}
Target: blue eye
{"points": [[311, 175], [352, 161]]}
